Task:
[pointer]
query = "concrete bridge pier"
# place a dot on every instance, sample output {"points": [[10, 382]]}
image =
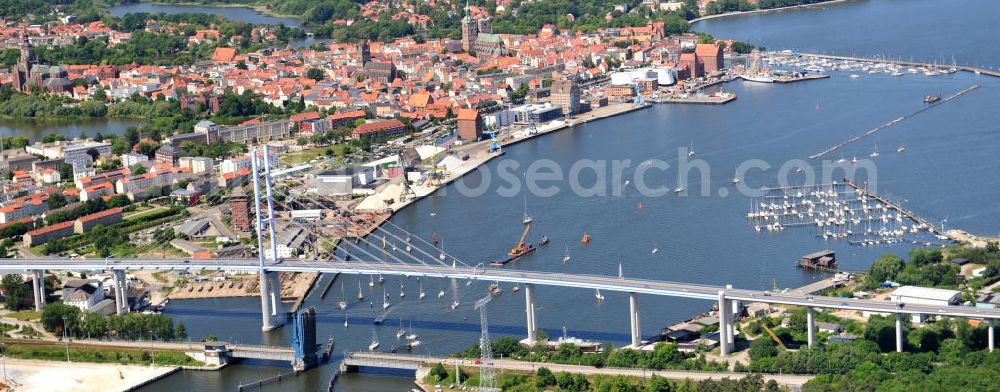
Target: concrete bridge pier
{"points": [[121, 292], [38, 288], [990, 334], [633, 304], [270, 300], [899, 332], [529, 310], [810, 326], [723, 324]]}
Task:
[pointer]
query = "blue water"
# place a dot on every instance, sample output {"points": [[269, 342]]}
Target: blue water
{"points": [[244, 14], [945, 173], [921, 30]]}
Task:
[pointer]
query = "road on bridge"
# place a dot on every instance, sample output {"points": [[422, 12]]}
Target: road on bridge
{"points": [[606, 283]]}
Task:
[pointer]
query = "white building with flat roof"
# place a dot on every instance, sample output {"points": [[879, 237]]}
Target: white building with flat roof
{"points": [[916, 295]]}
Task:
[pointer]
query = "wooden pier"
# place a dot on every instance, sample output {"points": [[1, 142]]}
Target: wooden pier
{"points": [[909, 214]]}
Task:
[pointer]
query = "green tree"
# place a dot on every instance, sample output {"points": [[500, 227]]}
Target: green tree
{"points": [[659, 384], [885, 268], [438, 372], [315, 74], [181, 330], [137, 169], [14, 290], [544, 377], [58, 316], [66, 172], [762, 347]]}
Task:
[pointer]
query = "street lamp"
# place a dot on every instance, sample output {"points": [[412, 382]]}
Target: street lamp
{"points": [[65, 340], [151, 351]]}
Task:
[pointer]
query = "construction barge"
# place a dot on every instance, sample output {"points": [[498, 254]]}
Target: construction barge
{"points": [[520, 250]]}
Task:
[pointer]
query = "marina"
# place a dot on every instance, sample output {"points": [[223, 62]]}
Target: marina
{"points": [[840, 210]]}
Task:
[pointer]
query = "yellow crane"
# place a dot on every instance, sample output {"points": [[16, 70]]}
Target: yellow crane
{"points": [[773, 335], [521, 246]]}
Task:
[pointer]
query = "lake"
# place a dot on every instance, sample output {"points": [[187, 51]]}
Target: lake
{"points": [[36, 129], [244, 14]]}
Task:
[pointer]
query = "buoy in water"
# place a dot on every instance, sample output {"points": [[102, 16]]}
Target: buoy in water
{"points": [[655, 250]]}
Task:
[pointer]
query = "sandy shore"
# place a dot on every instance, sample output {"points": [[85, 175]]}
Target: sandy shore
{"points": [[46, 376]]}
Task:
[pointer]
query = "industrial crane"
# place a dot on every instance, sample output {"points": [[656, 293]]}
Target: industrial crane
{"points": [[522, 247]]}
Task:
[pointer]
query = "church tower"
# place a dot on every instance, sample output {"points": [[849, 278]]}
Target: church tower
{"points": [[470, 30], [22, 71], [366, 52]]}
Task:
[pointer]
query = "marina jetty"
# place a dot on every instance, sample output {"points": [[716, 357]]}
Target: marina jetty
{"points": [[905, 212], [967, 68], [893, 122]]}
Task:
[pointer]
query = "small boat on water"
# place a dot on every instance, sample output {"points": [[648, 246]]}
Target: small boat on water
{"points": [[598, 296], [454, 305], [441, 294], [374, 344], [422, 293], [361, 296], [515, 289], [371, 281], [679, 189], [854, 76], [585, 239], [527, 218], [874, 154], [901, 149], [495, 289], [655, 250], [931, 99], [735, 180], [385, 301], [544, 240], [566, 257]]}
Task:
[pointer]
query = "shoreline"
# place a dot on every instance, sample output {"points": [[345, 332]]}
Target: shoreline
{"points": [[765, 11], [479, 156]]}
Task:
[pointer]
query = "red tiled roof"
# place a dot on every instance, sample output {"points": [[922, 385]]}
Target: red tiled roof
{"points": [[49, 229], [468, 114], [102, 214], [378, 126]]}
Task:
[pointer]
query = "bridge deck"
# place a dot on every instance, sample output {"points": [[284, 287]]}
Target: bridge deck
{"points": [[606, 283]]}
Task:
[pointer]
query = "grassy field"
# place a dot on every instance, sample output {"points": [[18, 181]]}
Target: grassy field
{"points": [[25, 315], [298, 158], [100, 355]]}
